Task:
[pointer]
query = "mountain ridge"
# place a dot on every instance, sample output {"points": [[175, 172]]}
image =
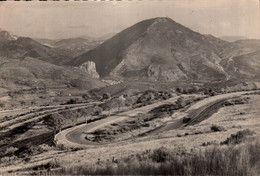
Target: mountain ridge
{"points": [[120, 56]]}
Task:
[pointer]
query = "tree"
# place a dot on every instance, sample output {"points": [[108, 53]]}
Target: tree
{"points": [[2, 105], [54, 121], [139, 122], [86, 96], [195, 89], [114, 103], [106, 96], [88, 112], [179, 90], [180, 102], [120, 102]]}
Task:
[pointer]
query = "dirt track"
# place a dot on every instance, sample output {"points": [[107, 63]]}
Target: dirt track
{"points": [[36, 114], [74, 137]]}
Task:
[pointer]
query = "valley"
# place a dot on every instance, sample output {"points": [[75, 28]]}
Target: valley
{"points": [[155, 98]]}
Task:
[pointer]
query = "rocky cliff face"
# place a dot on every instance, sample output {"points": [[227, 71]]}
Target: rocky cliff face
{"points": [[90, 68]]}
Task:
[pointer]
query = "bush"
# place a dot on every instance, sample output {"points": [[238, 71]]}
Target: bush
{"points": [[215, 128], [239, 137], [72, 101], [161, 155], [10, 151], [8, 159], [106, 96], [2, 105], [186, 119], [48, 166]]}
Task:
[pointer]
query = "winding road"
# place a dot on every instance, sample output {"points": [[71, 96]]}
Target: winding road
{"points": [[75, 137]]}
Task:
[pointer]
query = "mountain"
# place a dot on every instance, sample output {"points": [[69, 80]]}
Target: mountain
{"points": [[27, 47], [241, 59], [243, 66], [30, 72], [77, 45], [161, 49], [6, 37], [157, 49], [106, 36], [232, 38], [47, 42]]}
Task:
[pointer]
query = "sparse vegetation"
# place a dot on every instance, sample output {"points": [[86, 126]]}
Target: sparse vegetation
{"points": [[150, 96], [216, 128], [162, 161], [236, 101], [238, 138], [55, 121]]}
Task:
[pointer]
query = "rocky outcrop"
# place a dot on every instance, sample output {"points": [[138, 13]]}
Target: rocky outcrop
{"points": [[5, 36], [90, 68]]}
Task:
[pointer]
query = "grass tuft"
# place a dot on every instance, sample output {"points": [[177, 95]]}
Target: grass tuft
{"points": [[218, 160]]}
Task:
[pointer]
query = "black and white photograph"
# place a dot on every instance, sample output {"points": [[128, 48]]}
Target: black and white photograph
{"points": [[130, 87]]}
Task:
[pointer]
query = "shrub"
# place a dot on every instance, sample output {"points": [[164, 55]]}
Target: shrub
{"points": [[239, 137], [186, 119], [10, 150], [48, 166], [161, 155], [2, 105], [216, 128], [208, 143], [72, 101], [8, 159], [106, 96]]}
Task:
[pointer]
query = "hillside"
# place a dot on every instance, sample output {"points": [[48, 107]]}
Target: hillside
{"points": [[77, 45], [32, 73], [5, 37], [158, 49], [26, 47]]}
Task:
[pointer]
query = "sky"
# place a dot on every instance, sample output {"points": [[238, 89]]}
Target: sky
{"points": [[56, 20]]}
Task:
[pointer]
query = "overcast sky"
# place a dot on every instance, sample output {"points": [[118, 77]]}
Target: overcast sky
{"points": [[94, 19]]}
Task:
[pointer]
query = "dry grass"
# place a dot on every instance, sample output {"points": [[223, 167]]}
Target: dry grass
{"points": [[231, 160]]}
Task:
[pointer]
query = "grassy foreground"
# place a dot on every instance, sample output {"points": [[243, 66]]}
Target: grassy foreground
{"points": [[217, 160]]}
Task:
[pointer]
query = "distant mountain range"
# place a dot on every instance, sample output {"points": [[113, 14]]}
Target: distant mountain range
{"points": [[77, 45], [27, 47], [26, 63], [160, 49], [233, 38]]}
